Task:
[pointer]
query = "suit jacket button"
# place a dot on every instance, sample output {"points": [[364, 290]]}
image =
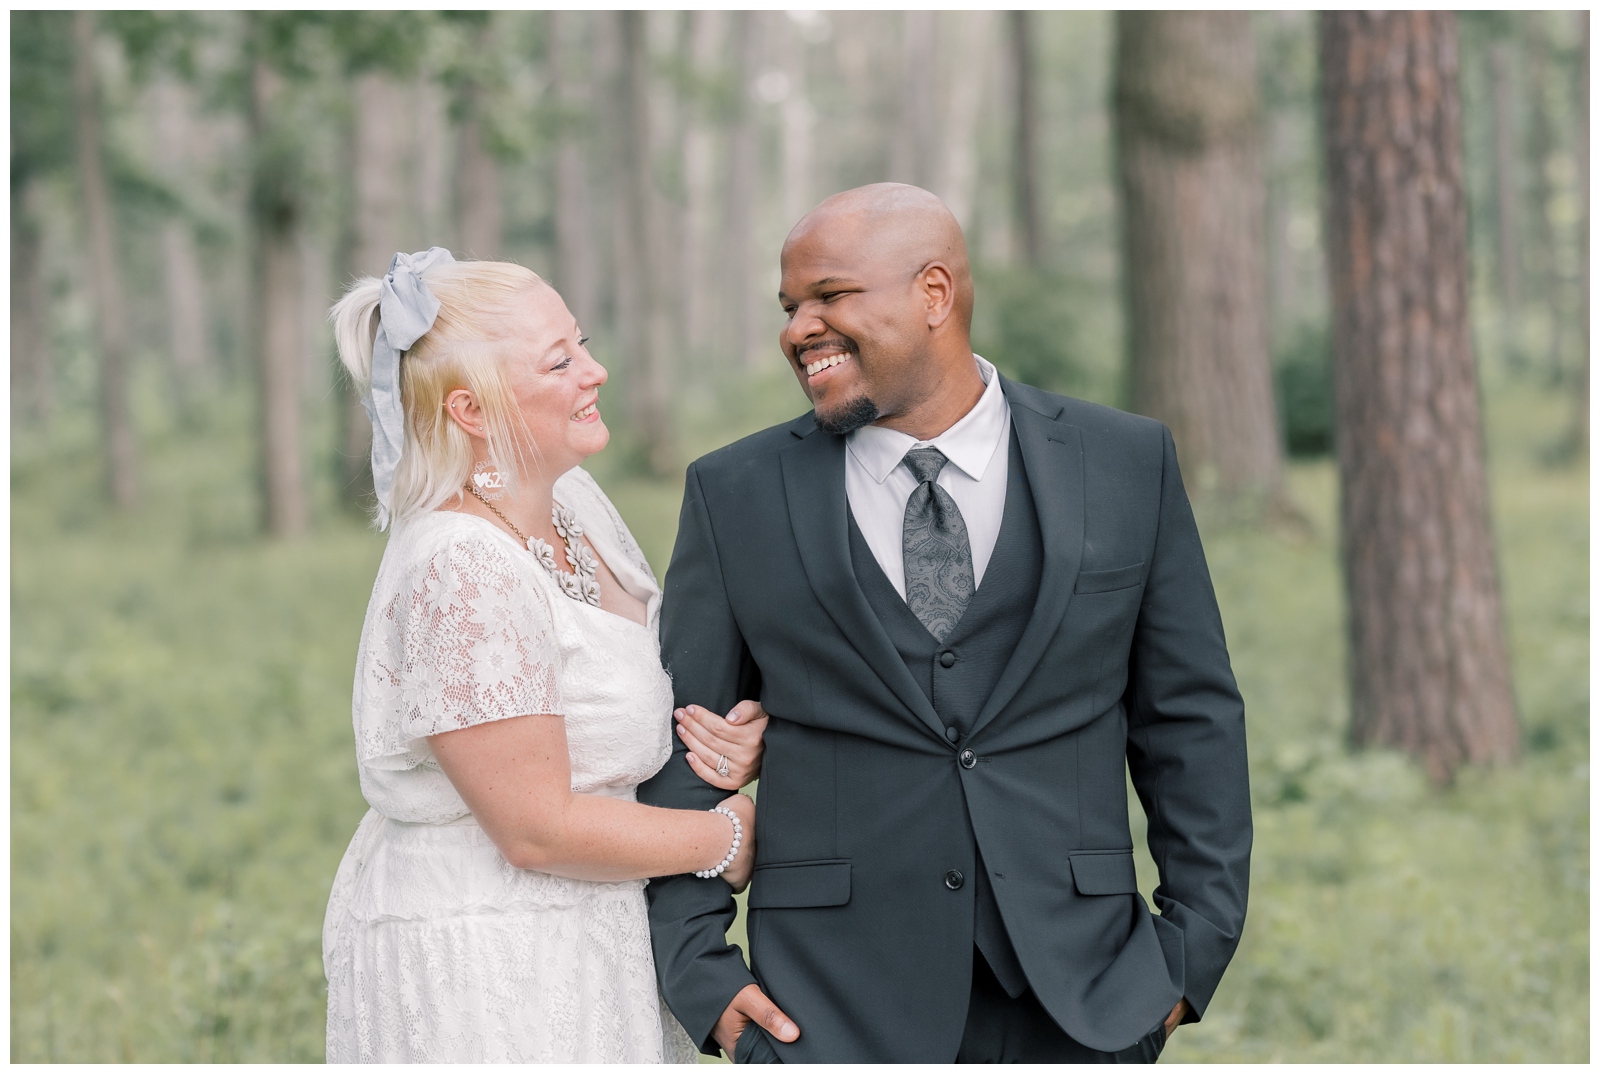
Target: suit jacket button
{"points": [[947, 660], [951, 733], [969, 759], [953, 880]]}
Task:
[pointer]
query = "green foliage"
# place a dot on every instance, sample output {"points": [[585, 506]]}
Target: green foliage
{"points": [[41, 94], [182, 774], [183, 781], [1303, 376], [1024, 324], [156, 41], [390, 41], [1390, 923]]}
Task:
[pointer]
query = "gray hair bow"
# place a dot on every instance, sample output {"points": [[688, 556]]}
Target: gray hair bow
{"points": [[406, 311]]}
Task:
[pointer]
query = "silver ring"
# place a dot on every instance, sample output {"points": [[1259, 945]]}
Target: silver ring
{"points": [[722, 764]]}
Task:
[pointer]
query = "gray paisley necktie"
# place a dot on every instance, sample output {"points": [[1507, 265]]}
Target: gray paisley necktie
{"points": [[938, 556]]}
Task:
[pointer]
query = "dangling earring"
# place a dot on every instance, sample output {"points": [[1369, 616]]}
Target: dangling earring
{"points": [[489, 482]]}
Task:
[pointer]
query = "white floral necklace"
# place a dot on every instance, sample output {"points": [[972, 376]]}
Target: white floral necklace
{"points": [[580, 584]]}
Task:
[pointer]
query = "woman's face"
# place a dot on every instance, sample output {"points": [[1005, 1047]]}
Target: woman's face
{"points": [[555, 382]]}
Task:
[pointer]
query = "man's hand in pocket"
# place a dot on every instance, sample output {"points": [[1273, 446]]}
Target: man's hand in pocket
{"points": [[752, 1005]]}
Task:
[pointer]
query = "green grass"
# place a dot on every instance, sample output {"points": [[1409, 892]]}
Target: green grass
{"points": [[183, 783]]}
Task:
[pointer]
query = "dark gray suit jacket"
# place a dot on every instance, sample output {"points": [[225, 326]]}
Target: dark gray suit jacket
{"points": [[865, 808]]}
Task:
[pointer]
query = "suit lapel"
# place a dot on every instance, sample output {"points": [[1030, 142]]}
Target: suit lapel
{"points": [[1052, 458], [813, 478]]}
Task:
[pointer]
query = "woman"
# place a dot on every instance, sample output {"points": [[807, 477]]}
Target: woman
{"points": [[509, 697]]}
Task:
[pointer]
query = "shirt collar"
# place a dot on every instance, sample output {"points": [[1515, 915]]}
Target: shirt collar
{"points": [[969, 444]]}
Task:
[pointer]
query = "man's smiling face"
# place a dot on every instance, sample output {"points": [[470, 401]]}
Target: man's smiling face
{"points": [[856, 327]]}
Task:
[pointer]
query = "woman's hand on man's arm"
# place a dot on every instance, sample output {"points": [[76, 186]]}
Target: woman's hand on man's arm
{"points": [[712, 738]]}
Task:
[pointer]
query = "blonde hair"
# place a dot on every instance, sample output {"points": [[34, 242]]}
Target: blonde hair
{"points": [[463, 349]]}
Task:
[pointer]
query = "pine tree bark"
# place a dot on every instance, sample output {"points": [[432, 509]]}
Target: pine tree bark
{"points": [[105, 278], [1428, 665], [1025, 139], [1188, 121], [276, 213], [31, 394]]}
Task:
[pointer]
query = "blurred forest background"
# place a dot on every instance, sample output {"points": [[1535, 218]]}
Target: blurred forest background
{"points": [[191, 559]]}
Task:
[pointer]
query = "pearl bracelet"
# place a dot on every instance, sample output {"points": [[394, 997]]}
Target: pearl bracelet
{"points": [[733, 852]]}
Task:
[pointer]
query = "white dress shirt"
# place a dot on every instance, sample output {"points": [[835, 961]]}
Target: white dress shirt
{"points": [[878, 485]]}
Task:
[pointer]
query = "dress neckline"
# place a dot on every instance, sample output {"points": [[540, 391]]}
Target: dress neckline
{"points": [[510, 539]]}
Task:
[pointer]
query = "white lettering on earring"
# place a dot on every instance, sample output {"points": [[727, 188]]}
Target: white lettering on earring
{"points": [[486, 477]]}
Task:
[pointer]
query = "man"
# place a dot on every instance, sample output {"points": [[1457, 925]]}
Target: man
{"points": [[969, 606]]}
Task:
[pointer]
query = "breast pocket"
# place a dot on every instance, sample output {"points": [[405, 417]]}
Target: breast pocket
{"points": [[1107, 581]]}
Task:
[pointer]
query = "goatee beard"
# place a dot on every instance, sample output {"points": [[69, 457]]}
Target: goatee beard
{"points": [[847, 419]]}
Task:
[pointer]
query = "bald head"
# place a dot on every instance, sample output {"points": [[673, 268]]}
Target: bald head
{"points": [[878, 296], [892, 225]]}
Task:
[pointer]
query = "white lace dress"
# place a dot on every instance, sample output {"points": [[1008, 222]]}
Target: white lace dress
{"points": [[435, 948]]}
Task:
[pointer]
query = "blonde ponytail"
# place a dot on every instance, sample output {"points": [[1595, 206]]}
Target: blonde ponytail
{"points": [[465, 348]]}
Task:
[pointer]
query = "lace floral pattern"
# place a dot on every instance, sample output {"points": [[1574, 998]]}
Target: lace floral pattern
{"points": [[459, 639], [435, 948]]}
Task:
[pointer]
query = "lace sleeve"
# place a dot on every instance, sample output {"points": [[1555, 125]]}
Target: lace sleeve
{"points": [[476, 640]]}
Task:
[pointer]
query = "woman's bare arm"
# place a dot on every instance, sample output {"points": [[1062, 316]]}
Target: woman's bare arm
{"points": [[515, 777]]}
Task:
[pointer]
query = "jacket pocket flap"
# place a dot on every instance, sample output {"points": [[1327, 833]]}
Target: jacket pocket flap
{"points": [[800, 883], [1106, 581], [1104, 872]]}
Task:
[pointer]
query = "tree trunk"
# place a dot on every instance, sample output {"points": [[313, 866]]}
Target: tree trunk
{"points": [[1428, 665], [478, 174], [185, 285], [966, 74], [912, 152], [121, 462], [1025, 139], [798, 165], [31, 389], [1193, 200], [575, 275], [740, 275], [1507, 224], [701, 287], [1580, 432], [275, 224], [1545, 262], [638, 236], [379, 164], [431, 153]]}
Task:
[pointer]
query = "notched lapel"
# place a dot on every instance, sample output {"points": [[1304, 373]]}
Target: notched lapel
{"points": [[1052, 457], [813, 480]]}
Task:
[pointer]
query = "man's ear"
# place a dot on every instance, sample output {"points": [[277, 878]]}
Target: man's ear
{"points": [[939, 286]]}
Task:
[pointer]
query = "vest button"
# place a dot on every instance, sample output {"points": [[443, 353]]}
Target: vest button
{"points": [[953, 880], [951, 733], [969, 759], [947, 660]]}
